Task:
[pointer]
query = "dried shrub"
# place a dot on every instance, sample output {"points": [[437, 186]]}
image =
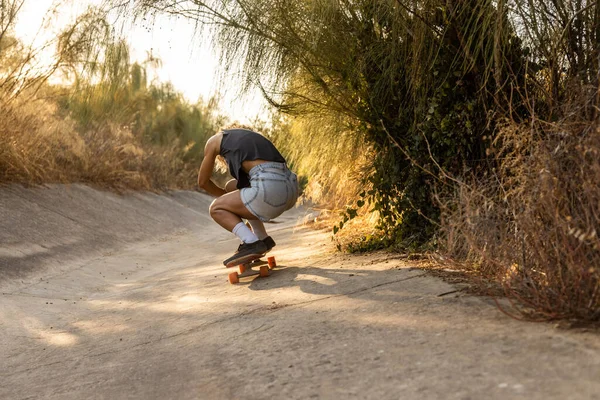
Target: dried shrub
{"points": [[38, 146], [534, 223]]}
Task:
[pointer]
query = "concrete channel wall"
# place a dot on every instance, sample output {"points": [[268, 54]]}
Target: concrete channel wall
{"points": [[51, 229]]}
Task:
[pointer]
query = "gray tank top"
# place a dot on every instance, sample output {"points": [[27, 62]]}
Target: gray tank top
{"points": [[239, 145]]}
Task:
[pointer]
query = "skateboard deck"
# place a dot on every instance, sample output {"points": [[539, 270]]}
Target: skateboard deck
{"points": [[248, 269]]}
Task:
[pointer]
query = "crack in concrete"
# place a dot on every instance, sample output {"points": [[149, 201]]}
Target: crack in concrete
{"points": [[35, 296], [31, 369], [333, 296]]}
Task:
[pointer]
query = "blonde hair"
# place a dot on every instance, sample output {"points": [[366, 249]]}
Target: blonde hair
{"points": [[221, 164], [236, 125]]}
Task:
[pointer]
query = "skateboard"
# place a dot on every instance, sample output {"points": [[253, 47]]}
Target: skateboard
{"points": [[247, 269]]}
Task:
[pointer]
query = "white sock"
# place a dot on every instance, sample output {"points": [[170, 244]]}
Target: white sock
{"points": [[258, 228], [244, 233]]}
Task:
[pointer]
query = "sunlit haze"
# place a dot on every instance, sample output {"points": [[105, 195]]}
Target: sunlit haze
{"points": [[187, 60]]}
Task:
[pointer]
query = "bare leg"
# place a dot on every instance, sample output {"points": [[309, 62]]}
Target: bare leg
{"points": [[256, 225], [228, 210], [258, 228]]}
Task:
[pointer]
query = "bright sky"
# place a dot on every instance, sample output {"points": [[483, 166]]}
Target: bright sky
{"points": [[187, 61]]}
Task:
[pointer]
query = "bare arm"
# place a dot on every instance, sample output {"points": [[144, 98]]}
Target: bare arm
{"points": [[211, 151]]}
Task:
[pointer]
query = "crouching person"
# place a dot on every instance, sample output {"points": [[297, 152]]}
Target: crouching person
{"points": [[262, 189]]}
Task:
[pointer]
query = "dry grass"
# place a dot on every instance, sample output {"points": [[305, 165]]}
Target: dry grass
{"points": [[534, 224], [329, 155], [38, 146]]}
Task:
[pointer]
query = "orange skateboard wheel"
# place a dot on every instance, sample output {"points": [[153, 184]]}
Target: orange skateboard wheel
{"points": [[234, 278], [272, 262], [242, 268], [264, 271]]}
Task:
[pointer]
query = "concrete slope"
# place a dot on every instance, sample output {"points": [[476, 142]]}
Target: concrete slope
{"points": [[48, 230], [134, 303]]}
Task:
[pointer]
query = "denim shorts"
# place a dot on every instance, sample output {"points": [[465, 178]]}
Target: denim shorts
{"points": [[273, 190]]}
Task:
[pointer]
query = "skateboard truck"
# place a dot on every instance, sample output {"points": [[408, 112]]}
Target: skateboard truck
{"points": [[246, 269]]}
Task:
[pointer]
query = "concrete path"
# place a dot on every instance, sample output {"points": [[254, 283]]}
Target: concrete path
{"points": [[143, 310]]}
